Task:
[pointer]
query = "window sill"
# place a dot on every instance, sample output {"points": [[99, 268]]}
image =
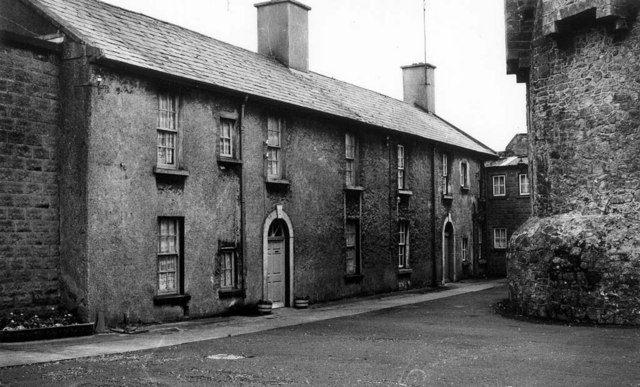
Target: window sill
{"points": [[354, 188], [232, 293], [178, 174], [464, 189], [278, 182], [171, 299], [447, 197], [405, 271], [353, 277], [228, 161], [405, 192]]}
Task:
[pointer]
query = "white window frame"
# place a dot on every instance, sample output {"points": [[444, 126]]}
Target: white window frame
{"points": [[500, 238], [169, 233], [464, 174], [465, 249], [527, 191], [352, 241], [228, 269], [350, 154], [403, 245], [227, 137], [401, 167], [446, 186], [167, 127], [275, 157], [499, 189], [445, 165]]}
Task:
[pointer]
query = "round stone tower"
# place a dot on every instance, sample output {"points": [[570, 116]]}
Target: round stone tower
{"points": [[578, 258]]}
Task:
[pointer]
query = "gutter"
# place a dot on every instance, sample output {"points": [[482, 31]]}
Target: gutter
{"points": [[29, 41]]}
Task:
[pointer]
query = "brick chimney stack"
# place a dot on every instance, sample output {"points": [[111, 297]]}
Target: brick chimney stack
{"points": [[283, 32], [419, 86]]}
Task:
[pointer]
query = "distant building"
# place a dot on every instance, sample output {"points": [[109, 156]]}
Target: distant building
{"points": [[154, 172], [508, 202]]}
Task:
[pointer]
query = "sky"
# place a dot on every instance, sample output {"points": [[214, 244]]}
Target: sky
{"points": [[365, 42]]}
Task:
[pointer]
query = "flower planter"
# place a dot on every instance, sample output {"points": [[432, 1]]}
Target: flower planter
{"points": [[265, 307], [301, 303], [46, 333]]}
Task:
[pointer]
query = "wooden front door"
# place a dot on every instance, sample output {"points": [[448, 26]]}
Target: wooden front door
{"points": [[449, 264], [276, 272], [276, 264]]}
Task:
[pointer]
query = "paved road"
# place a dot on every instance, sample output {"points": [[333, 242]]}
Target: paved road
{"points": [[449, 341]]}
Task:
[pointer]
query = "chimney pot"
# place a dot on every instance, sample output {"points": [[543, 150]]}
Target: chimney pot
{"points": [[419, 86]]}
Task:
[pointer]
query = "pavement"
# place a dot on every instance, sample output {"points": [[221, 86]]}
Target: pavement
{"points": [[166, 335]]}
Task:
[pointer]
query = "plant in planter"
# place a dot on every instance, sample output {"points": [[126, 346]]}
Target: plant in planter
{"points": [[301, 302], [48, 325], [19, 321], [265, 306]]}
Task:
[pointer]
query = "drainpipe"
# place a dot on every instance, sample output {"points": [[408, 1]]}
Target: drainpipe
{"points": [[243, 212], [434, 195], [391, 203]]}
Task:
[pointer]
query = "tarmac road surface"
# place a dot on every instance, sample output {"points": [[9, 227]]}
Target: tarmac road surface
{"points": [[451, 341]]}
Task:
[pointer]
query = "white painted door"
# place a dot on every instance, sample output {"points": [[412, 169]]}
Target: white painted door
{"points": [[276, 272]]}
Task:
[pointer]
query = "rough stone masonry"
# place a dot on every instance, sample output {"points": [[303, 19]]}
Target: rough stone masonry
{"points": [[578, 259]]}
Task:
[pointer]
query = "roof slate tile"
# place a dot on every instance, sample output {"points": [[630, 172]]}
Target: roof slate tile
{"points": [[139, 40]]}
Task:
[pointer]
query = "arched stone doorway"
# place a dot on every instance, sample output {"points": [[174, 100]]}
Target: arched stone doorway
{"points": [[448, 252], [278, 259]]}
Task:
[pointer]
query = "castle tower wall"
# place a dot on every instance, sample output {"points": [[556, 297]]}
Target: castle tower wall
{"points": [[581, 62]]}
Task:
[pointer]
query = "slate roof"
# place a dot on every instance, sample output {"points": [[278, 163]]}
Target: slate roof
{"points": [[139, 40]]}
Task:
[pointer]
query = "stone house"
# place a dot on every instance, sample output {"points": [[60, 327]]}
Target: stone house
{"points": [[154, 172], [507, 204]]}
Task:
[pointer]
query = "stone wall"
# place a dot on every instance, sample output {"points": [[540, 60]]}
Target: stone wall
{"points": [[29, 207], [577, 268], [583, 133], [125, 198], [583, 101]]}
